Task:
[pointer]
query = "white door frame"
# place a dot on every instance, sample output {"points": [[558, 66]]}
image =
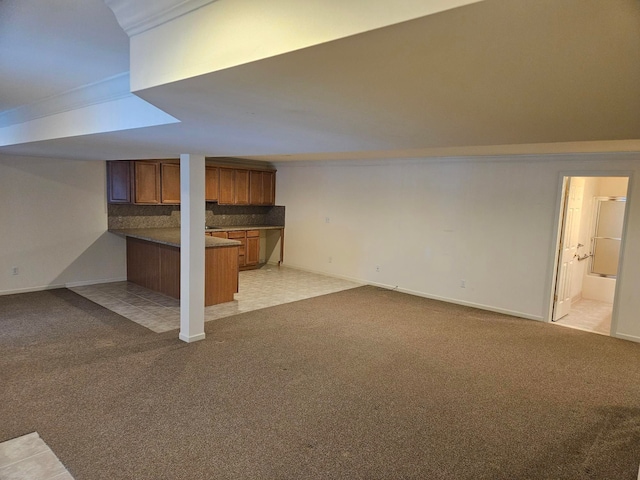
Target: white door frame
{"points": [[558, 222]]}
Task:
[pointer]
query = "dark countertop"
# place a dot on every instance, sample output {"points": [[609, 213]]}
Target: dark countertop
{"points": [[220, 228], [170, 236]]}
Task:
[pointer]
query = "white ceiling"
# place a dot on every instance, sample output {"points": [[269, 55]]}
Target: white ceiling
{"points": [[50, 46], [495, 73]]}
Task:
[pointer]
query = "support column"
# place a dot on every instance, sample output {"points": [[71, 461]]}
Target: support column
{"points": [[192, 221]]}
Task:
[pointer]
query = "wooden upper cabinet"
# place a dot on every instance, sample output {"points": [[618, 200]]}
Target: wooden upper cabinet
{"points": [[234, 186], [255, 188], [211, 183], [262, 187], [153, 182], [147, 182], [226, 194], [170, 183], [268, 188], [119, 181], [242, 187]]}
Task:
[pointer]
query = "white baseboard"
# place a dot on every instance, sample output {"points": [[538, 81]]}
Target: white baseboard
{"points": [[479, 306], [192, 338], [41, 288], [632, 338], [318, 272], [95, 282], [31, 289]]}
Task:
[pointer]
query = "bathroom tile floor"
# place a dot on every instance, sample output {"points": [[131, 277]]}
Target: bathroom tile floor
{"points": [[264, 287], [29, 458], [589, 315]]}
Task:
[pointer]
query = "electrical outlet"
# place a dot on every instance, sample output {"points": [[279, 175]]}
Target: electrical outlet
{"points": [[14, 271], [377, 268], [330, 259], [463, 284], [327, 220]]}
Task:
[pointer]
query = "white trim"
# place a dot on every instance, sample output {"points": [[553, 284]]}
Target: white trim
{"points": [[621, 269], [138, 17], [464, 303], [54, 286], [109, 89], [318, 272], [624, 336], [32, 289], [552, 276], [479, 306], [391, 158], [583, 329], [94, 282], [192, 338]]}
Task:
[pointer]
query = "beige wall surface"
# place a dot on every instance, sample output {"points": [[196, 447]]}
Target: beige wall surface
{"points": [[54, 222], [431, 224]]}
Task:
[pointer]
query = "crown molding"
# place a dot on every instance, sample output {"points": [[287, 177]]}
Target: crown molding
{"points": [[111, 88], [139, 16]]}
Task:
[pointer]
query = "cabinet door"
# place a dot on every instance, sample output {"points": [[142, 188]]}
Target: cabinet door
{"points": [[147, 182], [211, 184], [242, 187], [241, 236], [268, 188], [170, 183], [252, 252], [226, 192], [119, 182], [255, 188]]}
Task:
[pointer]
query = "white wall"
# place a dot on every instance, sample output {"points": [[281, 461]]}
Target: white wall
{"points": [[53, 218], [429, 224]]}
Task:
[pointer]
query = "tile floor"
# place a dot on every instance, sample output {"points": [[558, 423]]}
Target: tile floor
{"points": [[261, 288], [29, 458], [589, 315]]}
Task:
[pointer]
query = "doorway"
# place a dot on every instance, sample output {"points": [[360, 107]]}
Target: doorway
{"points": [[592, 222]]}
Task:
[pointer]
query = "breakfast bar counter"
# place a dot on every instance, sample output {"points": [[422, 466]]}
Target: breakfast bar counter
{"points": [[153, 261]]}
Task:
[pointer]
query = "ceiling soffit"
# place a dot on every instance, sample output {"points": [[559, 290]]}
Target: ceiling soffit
{"points": [[141, 15], [109, 89]]}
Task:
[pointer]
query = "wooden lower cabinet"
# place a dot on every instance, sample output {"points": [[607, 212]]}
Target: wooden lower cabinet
{"points": [[240, 236], [220, 278], [157, 267], [143, 263], [249, 249], [252, 252]]}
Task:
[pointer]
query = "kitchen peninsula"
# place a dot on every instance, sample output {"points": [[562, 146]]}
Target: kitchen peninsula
{"points": [[153, 261], [245, 229]]}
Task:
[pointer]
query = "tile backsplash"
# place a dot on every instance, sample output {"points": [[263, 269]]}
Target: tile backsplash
{"points": [[168, 216]]}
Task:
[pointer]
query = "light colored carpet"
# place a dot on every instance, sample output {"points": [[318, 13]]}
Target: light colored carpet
{"points": [[360, 384]]}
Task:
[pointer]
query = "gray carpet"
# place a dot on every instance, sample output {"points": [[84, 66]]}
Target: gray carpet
{"points": [[360, 384]]}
